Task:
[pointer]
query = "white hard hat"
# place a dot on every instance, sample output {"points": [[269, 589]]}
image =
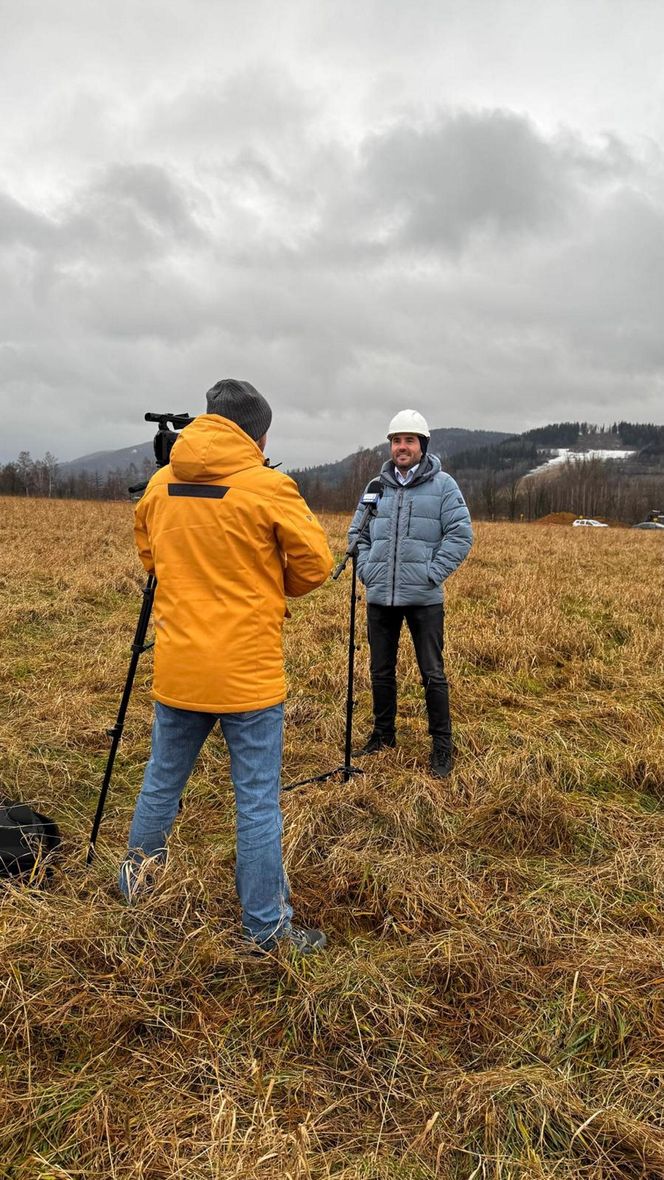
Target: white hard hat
{"points": [[408, 422]]}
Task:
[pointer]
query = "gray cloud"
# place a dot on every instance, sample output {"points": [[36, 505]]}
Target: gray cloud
{"points": [[20, 226], [466, 173], [213, 118], [345, 253]]}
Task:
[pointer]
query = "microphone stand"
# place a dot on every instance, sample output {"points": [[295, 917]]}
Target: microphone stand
{"points": [[347, 770]]}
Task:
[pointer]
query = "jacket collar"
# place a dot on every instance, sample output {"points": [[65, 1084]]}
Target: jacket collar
{"points": [[429, 466]]}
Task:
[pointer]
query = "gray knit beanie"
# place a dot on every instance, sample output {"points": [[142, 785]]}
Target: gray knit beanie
{"points": [[239, 401]]}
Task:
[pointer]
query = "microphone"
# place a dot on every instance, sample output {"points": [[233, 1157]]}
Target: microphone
{"points": [[369, 502], [373, 493]]}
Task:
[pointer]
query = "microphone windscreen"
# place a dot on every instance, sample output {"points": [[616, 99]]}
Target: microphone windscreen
{"points": [[373, 493]]}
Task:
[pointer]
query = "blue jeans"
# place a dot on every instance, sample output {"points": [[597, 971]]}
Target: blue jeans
{"points": [[254, 742]]}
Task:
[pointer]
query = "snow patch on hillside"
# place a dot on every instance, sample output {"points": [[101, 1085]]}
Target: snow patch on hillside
{"points": [[563, 455]]}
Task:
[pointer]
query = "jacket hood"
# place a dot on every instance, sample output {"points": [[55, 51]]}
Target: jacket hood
{"points": [[430, 465], [212, 447]]}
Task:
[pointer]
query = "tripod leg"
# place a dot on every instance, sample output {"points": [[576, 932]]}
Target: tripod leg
{"points": [[137, 648]]}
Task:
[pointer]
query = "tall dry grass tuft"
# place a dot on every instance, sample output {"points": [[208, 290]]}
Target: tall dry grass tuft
{"points": [[491, 1005]]}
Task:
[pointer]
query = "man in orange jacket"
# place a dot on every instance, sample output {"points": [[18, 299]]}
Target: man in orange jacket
{"points": [[228, 537]]}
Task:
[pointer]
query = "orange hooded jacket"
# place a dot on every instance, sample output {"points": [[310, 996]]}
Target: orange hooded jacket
{"points": [[227, 538]]}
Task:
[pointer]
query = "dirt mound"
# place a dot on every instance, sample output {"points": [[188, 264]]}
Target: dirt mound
{"points": [[557, 518]]}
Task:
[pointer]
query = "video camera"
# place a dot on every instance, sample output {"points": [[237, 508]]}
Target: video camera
{"points": [[163, 440]]}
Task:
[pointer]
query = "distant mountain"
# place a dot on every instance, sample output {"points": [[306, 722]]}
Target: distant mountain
{"points": [[615, 473], [477, 458], [445, 442], [103, 462], [565, 466]]}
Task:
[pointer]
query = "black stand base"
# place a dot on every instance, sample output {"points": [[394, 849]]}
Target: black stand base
{"points": [[347, 773]]}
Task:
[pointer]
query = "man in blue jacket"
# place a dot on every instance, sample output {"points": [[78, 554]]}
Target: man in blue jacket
{"points": [[420, 534]]}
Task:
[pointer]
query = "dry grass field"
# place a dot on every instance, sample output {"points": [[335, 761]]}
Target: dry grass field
{"points": [[491, 1006]]}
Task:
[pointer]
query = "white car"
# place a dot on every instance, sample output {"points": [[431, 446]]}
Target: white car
{"points": [[591, 524]]}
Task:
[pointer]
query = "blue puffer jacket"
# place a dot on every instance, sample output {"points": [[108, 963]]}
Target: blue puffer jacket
{"points": [[419, 535]]}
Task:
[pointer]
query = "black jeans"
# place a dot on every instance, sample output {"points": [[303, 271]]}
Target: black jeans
{"points": [[425, 624]]}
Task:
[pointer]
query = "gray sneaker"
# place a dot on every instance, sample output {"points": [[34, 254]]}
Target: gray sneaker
{"points": [[305, 942], [297, 938]]}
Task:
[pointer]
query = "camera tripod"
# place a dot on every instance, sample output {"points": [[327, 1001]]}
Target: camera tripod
{"points": [[163, 443]]}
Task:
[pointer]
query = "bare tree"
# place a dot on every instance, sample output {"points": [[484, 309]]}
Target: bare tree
{"points": [[25, 469]]}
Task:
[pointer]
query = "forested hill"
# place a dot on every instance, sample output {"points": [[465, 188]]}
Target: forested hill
{"points": [[336, 484], [580, 435], [615, 471], [523, 452]]}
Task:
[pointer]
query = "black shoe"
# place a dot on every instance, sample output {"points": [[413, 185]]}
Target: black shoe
{"points": [[304, 942], [377, 741], [441, 759]]}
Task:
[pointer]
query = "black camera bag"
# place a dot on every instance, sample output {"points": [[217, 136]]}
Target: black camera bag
{"points": [[26, 839]]}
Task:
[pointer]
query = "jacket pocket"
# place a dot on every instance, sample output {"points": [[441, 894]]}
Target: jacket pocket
{"points": [[370, 572]]}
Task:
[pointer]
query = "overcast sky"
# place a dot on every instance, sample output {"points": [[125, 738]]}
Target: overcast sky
{"points": [[358, 205]]}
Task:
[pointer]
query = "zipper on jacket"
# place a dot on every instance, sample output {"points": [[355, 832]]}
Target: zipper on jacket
{"points": [[396, 542]]}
